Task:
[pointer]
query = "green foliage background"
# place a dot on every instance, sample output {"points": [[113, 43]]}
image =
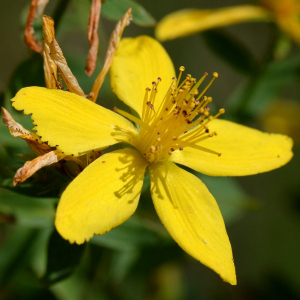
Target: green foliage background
{"points": [[258, 68]]}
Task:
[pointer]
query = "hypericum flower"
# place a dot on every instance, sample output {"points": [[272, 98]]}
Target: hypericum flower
{"points": [[174, 126], [189, 21]]}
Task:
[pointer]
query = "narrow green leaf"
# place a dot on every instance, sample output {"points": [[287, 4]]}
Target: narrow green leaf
{"points": [[27, 211], [130, 235], [232, 199], [115, 9], [249, 100], [63, 259], [230, 50], [14, 251], [28, 73]]}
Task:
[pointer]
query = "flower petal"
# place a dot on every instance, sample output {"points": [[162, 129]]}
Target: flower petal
{"points": [[73, 124], [192, 217], [189, 21], [291, 26], [244, 151], [137, 63], [102, 197]]}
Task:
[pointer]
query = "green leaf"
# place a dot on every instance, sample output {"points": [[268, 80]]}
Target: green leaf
{"points": [[121, 264], [115, 9], [27, 211], [130, 235], [28, 73], [63, 259], [14, 251], [249, 100], [231, 198], [230, 50]]}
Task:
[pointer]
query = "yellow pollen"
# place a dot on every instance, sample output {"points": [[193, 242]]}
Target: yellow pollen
{"points": [[177, 117]]}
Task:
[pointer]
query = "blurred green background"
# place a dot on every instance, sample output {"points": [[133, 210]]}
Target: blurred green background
{"points": [[138, 260]]}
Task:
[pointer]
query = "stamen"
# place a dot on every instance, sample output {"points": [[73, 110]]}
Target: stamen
{"points": [[174, 121], [133, 118]]}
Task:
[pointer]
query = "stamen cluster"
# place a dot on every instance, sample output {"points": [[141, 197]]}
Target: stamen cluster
{"points": [[180, 120]]}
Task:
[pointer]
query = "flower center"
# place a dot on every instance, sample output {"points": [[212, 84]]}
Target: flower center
{"points": [[179, 120]]}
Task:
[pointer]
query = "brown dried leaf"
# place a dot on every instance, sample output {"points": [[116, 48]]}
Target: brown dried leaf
{"points": [[93, 37], [66, 73], [30, 167], [52, 48], [112, 47], [17, 130], [35, 11], [50, 68]]}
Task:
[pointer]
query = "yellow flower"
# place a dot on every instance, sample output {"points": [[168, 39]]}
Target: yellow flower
{"points": [[173, 126], [286, 13]]}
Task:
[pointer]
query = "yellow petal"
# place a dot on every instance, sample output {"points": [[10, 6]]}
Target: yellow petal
{"points": [[102, 197], [190, 21], [287, 15], [74, 123], [192, 217], [137, 63], [244, 151], [291, 26]]}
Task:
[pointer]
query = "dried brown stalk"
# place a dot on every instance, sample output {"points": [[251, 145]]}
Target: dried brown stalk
{"points": [[36, 9], [112, 47], [93, 37]]}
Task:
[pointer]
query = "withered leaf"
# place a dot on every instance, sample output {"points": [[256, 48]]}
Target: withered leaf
{"points": [[30, 167], [50, 68], [66, 73], [52, 48], [93, 37], [17, 130], [35, 11], [112, 47]]}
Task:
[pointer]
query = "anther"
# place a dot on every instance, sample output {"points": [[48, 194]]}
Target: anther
{"points": [[150, 105], [182, 68], [215, 74]]}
